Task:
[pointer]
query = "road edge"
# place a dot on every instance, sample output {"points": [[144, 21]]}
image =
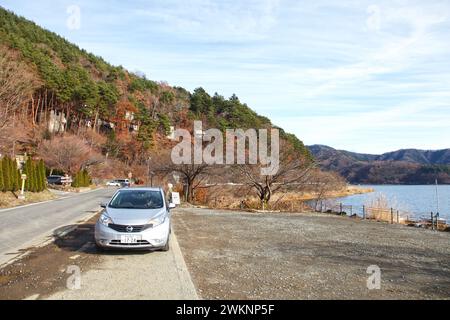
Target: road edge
{"points": [[188, 285], [47, 201], [40, 241]]}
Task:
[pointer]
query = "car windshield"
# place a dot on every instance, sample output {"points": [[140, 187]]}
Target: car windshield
{"points": [[137, 199]]}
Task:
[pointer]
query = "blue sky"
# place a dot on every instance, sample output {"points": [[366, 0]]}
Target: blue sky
{"points": [[366, 76]]}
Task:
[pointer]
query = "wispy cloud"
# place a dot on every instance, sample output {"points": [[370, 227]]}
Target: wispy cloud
{"points": [[216, 20]]}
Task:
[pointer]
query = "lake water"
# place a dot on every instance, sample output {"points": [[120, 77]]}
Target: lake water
{"points": [[417, 200]]}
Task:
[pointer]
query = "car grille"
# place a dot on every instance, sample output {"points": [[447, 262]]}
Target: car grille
{"points": [[123, 228], [139, 243]]}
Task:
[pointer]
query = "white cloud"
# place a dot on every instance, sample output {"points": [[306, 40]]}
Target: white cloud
{"points": [[373, 21], [220, 20], [360, 74]]}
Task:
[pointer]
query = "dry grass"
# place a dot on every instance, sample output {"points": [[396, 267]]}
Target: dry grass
{"points": [[381, 208], [229, 197], [347, 191], [9, 199]]}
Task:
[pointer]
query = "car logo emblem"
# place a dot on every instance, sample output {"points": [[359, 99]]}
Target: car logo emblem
{"points": [[129, 229]]}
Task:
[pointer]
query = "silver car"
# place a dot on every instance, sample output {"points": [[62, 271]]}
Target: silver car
{"points": [[135, 218]]}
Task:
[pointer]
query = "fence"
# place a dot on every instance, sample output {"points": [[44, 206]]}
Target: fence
{"points": [[390, 215]]}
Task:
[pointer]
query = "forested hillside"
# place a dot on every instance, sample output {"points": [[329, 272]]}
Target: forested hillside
{"points": [[121, 116], [409, 166]]}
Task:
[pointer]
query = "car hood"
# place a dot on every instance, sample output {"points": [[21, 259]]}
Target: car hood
{"points": [[133, 216]]}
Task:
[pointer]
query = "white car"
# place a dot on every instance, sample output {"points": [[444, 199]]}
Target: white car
{"points": [[113, 183], [135, 218]]}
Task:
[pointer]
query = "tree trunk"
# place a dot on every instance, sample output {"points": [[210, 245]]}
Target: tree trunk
{"points": [[95, 121], [190, 192]]}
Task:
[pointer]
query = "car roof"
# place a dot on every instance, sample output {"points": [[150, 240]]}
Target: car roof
{"points": [[141, 189]]}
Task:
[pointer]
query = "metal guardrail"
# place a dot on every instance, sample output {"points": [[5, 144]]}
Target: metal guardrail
{"points": [[391, 215]]}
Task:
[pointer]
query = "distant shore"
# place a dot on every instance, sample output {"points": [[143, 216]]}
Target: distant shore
{"points": [[350, 190]]}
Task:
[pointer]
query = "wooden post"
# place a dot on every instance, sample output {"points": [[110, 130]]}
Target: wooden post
{"points": [[364, 212], [432, 221], [392, 216], [340, 208], [437, 220], [398, 217], [22, 193]]}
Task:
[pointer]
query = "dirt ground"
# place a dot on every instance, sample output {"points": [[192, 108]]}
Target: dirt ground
{"points": [[44, 270], [112, 275], [233, 255]]}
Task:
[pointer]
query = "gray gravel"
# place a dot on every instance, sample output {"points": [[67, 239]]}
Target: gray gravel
{"points": [[233, 255], [135, 276]]}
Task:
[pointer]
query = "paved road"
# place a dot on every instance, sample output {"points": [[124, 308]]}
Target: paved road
{"points": [[20, 227], [134, 276]]}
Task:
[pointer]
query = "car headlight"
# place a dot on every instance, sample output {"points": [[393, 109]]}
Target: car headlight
{"points": [[105, 219], [156, 221]]}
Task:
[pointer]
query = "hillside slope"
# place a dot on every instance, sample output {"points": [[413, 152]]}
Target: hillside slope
{"points": [[409, 166], [133, 112]]}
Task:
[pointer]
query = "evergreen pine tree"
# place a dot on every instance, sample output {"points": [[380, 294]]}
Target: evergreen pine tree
{"points": [[19, 179], [89, 179], [85, 178], [14, 174], [81, 178], [27, 170], [6, 175], [35, 182], [1, 176], [42, 175], [75, 183], [38, 177]]}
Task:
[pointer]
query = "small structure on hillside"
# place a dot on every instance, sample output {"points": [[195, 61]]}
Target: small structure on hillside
{"points": [[171, 134], [57, 122]]}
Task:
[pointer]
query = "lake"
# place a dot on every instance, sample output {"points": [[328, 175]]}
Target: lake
{"points": [[417, 200]]}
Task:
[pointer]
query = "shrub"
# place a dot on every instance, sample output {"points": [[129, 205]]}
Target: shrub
{"points": [[1, 177], [35, 176], [6, 175], [41, 175], [81, 179]]}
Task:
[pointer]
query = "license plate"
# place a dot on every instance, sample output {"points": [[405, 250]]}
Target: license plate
{"points": [[130, 239]]}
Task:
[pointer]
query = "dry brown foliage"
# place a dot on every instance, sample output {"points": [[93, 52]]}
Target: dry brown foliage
{"points": [[68, 153], [17, 85]]}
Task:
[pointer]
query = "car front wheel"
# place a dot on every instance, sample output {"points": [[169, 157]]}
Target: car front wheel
{"points": [[167, 246]]}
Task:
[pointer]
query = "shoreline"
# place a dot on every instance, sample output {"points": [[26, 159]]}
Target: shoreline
{"points": [[350, 190]]}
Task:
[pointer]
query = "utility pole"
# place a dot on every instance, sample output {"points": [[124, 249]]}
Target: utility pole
{"points": [[149, 173], [437, 197]]}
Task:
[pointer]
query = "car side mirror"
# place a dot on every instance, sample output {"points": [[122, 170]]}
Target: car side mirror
{"points": [[172, 206], [103, 205]]}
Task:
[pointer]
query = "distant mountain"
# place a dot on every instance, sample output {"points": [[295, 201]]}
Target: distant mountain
{"points": [[408, 166], [418, 156]]}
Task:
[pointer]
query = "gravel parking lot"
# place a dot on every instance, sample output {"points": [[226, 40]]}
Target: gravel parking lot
{"points": [[233, 255]]}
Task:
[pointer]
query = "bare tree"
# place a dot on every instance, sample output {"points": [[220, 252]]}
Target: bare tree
{"points": [[323, 183], [293, 173], [194, 176], [68, 153], [16, 86]]}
